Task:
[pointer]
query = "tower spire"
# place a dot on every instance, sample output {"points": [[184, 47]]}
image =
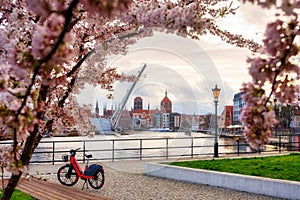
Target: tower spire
{"points": [[97, 108]]}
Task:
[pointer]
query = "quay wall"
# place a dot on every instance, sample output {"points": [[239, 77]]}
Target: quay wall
{"points": [[252, 184]]}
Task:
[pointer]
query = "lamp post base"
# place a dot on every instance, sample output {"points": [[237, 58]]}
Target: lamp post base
{"points": [[216, 147]]}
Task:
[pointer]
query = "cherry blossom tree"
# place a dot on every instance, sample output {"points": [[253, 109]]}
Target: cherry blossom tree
{"points": [[43, 48], [49, 49], [275, 72]]}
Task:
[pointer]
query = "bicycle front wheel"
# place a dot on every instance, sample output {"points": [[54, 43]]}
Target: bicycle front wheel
{"points": [[67, 175], [98, 181]]}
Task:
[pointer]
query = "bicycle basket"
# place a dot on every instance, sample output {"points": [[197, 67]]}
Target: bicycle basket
{"points": [[65, 158]]}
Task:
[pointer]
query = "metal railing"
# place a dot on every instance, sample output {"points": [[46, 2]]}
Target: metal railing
{"points": [[121, 149], [156, 148]]}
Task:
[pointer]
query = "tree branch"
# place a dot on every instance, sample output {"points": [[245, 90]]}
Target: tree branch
{"points": [[66, 28], [72, 73]]}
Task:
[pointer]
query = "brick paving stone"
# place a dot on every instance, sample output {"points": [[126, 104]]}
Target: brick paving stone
{"points": [[125, 180]]}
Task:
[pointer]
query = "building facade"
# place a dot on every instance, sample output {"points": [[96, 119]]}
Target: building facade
{"points": [[165, 120], [227, 116], [175, 121], [140, 118], [238, 104], [157, 120]]}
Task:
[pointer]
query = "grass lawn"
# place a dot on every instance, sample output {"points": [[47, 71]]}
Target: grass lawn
{"points": [[17, 195], [286, 167]]}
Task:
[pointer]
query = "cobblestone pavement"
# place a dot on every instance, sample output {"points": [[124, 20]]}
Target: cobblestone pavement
{"points": [[125, 180]]}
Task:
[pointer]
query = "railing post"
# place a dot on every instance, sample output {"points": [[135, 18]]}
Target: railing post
{"points": [[53, 150], [279, 143], [192, 148], [141, 149], [238, 147], [291, 141], [83, 151], [167, 148], [113, 151], [298, 142]]}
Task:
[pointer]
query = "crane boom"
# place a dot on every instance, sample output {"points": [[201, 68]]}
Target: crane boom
{"points": [[116, 116]]}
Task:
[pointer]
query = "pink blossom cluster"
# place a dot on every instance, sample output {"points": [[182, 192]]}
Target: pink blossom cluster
{"points": [[46, 35], [258, 119], [186, 18], [107, 8], [274, 76], [8, 161]]}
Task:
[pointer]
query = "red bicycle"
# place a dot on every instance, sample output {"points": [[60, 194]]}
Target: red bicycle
{"points": [[69, 174]]}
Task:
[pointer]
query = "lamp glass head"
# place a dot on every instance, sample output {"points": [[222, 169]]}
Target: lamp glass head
{"points": [[216, 92]]}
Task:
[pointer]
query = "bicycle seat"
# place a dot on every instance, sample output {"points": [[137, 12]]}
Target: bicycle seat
{"points": [[89, 155]]}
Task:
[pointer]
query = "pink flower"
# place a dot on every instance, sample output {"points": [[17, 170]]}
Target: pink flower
{"points": [[40, 7], [108, 8], [45, 37]]}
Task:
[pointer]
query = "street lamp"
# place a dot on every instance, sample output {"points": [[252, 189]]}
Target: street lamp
{"points": [[216, 92]]}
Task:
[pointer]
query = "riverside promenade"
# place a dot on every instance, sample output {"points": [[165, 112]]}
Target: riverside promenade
{"points": [[125, 180]]}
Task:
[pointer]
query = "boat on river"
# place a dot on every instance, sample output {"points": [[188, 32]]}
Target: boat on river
{"points": [[159, 129]]}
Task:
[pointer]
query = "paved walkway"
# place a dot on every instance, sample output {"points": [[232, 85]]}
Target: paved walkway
{"points": [[125, 180]]}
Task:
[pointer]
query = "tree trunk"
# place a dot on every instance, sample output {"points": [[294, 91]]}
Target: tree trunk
{"points": [[30, 145], [12, 184]]}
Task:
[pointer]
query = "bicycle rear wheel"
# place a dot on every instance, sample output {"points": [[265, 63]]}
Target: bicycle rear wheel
{"points": [[67, 176], [98, 181]]}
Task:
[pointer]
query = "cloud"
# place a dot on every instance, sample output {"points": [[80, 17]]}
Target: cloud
{"points": [[179, 66]]}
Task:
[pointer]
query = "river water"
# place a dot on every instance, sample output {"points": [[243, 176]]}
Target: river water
{"points": [[170, 145]]}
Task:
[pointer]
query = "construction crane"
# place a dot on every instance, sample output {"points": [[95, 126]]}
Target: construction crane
{"points": [[117, 114]]}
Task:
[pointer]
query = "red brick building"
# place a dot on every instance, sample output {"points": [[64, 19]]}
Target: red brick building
{"points": [[228, 116], [166, 104]]}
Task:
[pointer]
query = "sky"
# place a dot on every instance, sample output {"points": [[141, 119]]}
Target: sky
{"points": [[187, 69]]}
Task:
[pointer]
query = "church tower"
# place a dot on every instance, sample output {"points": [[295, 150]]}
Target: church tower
{"points": [[138, 103], [166, 104]]}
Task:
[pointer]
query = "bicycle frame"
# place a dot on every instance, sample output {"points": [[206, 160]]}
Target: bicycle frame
{"points": [[78, 170]]}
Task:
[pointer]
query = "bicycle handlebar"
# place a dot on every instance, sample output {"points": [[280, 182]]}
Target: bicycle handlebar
{"points": [[73, 151]]}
